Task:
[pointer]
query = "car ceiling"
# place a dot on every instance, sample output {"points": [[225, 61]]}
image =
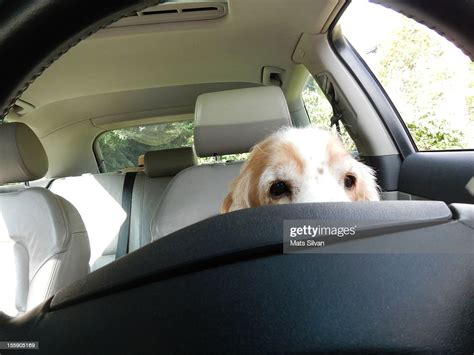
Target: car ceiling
{"points": [[121, 70]]}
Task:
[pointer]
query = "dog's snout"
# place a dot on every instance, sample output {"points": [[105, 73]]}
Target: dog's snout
{"points": [[322, 196], [322, 191]]}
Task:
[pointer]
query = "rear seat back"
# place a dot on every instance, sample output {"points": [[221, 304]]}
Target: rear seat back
{"points": [[43, 242], [226, 122], [98, 198], [160, 168], [193, 195]]}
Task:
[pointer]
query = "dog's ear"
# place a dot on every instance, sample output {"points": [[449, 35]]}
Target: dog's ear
{"points": [[244, 191], [241, 192], [227, 203], [366, 189]]}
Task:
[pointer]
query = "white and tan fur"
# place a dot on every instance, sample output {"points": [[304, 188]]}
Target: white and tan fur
{"points": [[311, 163]]}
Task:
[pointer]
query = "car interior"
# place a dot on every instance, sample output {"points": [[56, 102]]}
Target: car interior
{"points": [[101, 257]]}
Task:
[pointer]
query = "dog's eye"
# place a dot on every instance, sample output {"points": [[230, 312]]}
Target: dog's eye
{"points": [[279, 188], [349, 181]]}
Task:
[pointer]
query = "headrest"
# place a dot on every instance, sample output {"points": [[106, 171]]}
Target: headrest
{"points": [[230, 122], [22, 156], [168, 162]]}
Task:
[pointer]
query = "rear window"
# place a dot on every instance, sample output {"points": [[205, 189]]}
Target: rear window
{"points": [[121, 148]]}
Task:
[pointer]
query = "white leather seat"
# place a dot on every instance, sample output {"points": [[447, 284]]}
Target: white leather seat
{"points": [[160, 168], [227, 122], [43, 242], [98, 198]]}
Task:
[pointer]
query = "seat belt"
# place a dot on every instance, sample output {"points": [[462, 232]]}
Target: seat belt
{"points": [[124, 234], [50, 183], [337, 114], [335, 119]]}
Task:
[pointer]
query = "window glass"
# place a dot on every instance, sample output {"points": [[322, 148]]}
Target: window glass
{"points": [[429, 80], [121, 148], [320, 111], [224, 158]]}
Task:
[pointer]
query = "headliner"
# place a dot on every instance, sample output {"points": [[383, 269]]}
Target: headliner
{"points": [[229, 51]]}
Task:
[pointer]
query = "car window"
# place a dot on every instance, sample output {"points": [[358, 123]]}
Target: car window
{"points": [[320, 111], [121, 148], [429, 80]]}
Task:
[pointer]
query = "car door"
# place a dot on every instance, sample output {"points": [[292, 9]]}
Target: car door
{"points": [[422, 86]]}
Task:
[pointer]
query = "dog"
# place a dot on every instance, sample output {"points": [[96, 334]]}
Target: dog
{"points": [[295, 165]]}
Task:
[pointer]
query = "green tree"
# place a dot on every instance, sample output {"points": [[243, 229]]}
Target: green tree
{"points": [[121, 148], [413, 65], [320, 111]]}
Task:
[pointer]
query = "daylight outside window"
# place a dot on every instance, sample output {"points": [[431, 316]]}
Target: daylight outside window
{"points": [[121, 148], [429, 79], [320, 112]]}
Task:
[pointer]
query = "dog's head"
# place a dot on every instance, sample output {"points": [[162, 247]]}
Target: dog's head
{"points": [[300, 165]]}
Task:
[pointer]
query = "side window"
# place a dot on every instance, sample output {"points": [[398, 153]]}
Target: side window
{"points": [[320, 111], [122, 148], [429, 80]]}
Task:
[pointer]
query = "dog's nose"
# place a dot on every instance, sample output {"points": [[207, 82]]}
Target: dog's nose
{"points": [[325, 197], [323, 191]]}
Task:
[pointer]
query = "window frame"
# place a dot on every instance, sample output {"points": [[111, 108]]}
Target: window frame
{"points": [[372, 88], [411, 179], [100, 161], [375, 92]]}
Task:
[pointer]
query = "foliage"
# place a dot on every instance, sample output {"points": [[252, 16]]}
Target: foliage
{"points": [[121, 148], [317, 106], [320, 111], [224, 158], [424, 75], [430, 134]]}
